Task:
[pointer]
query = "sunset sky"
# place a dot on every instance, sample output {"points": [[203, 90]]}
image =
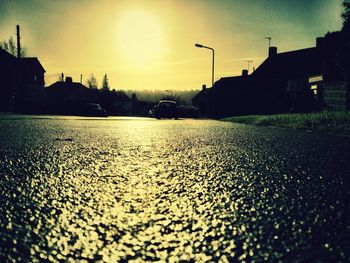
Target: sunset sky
{"points": [[149, 44]]}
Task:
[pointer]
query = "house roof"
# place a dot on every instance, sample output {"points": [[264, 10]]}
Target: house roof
{"points": [[77, 89], [5, 54], [26, 64], [120, 94], [200, 94], [231, 81], [297, 63], [64, 85], [30, 63]]}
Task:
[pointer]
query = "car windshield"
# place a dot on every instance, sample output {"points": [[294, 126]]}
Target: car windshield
{"points": [[167, 103]]}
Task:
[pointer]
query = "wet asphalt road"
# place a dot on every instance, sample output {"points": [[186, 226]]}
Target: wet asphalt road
{"points": [[117, 189]]}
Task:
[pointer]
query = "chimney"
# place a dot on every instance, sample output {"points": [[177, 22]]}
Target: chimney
{"points": [[272, 51], [245, 72], [204, 87], [62, 77], [320, 42], [69, 79], [18, 42]]}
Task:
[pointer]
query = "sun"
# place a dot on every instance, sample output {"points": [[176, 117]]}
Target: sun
{"points": [[139, 38]]}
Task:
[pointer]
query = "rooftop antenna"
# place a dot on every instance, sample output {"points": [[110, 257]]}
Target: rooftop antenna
{"points": [[248, 61], [269, 39]]}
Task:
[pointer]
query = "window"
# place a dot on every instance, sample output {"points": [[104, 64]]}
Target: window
{"points": [[314, 89], [317, 78]]}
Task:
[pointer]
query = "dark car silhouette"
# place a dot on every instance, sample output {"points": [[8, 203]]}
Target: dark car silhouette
{"points": [[165, 109], [93, 110]]}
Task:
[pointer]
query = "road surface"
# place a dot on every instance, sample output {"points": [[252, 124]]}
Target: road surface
{"points": [[115, 189]]}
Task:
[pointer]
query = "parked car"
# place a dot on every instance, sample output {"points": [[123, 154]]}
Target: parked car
{"points": [[151, 111], [93, 110], [187, 111], [165, 109]]}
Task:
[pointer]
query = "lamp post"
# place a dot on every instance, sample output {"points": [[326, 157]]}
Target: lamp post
{"points": [[212, 69]]}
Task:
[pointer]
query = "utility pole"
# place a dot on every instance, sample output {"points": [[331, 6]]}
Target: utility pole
{"points": [[18, 42], [269, 39], [81, 78]]}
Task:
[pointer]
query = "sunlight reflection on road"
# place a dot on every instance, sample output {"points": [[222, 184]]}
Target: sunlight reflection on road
{"points": [[126, 189]]}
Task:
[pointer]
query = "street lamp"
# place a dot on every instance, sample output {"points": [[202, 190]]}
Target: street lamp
{"points": [[212, 70]]}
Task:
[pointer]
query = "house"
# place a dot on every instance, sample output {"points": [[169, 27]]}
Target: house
{"points": [[311, 76], [296, 81], [22, 83], [202, 101], [67, 91], [290, 72], [238, 95], [70, 98], [7, 80], [330, 85], [30, 92]]}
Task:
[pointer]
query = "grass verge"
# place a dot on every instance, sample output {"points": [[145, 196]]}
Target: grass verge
{"points": [[327, 121]]}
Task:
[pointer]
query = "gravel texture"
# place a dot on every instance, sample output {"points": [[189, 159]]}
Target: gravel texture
{"points": [[117, 189]]}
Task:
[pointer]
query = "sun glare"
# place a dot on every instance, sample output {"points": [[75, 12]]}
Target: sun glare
{"points": [[139, 38]]}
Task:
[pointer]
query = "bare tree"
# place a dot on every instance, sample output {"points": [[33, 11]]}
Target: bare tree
{"points": [[92, 82], [11, 47]]}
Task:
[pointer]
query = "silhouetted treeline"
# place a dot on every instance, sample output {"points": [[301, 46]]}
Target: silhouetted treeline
{"points": [[181, 96]]}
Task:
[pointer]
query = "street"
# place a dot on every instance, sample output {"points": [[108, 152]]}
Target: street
{"points": [[116, 189]]}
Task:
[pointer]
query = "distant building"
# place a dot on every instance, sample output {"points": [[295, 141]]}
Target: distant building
{"points": [[67, 91], [69, 98], [22, 84], [202, 100], [242, 95]]}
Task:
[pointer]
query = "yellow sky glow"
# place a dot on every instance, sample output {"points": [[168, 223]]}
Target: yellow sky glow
{"points": [[149, 44], [139, 39]]}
